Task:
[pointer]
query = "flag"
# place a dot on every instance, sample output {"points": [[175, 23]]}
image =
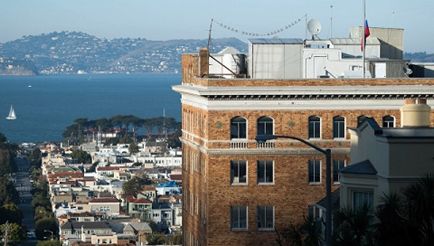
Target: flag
{"points": [[367, 33]]}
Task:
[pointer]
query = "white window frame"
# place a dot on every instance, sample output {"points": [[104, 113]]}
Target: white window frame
{"points": [[247, 218], [274, 177], [393, 124], [320, 128], [367, 190], [247, 129], [320, 172], [247, 173], [272, 122], [274, 219], [345, 128]]}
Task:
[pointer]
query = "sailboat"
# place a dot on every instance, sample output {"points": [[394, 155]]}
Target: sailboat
{"points": [[11, 115]]}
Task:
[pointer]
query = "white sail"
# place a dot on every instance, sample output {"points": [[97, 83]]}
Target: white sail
{"points": [[11, 115]]}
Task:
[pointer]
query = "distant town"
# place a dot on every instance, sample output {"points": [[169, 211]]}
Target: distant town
{"points": [[81, 53]]}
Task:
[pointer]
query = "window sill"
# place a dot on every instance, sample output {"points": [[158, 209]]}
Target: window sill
{"points": [[239, 184], [239, 229], [336, 183], [266, 229], [315, 183], [340, 139], [314, 139], [266, 184]]}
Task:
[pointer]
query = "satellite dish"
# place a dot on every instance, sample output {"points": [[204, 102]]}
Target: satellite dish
{"points": [[314, 27]]}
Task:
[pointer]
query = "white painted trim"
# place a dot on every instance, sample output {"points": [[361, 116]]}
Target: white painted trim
{"points": [[304, 90], [292, 105]]}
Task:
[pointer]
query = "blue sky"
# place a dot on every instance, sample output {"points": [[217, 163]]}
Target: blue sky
{"points": [[170, 19]]}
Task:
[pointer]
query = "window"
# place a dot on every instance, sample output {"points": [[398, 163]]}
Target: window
{"points": [[238, 217], [337, 166], [388, 121], [265, 126], [265, 217], [338, 127], [314, 127], [363, 198], [360, 119], [238, 172], [238, 128], [314, 171], [265, 172]]}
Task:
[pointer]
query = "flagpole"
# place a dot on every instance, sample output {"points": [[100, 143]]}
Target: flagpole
{"points": [[364, 38]]}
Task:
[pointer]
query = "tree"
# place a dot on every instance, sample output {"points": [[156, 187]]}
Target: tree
{"points": [[44, 226], [133, 186], [81, 156], [42, 212], [35, 158], [156, 239], [393, 227], [408, 220], [10, 212], [15, 232], [8, 193], [49, 243], [39, 200], [308, 233], [353, 227], [133, 148]]}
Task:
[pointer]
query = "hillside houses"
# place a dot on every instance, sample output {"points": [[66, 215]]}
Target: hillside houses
{"points": [[89, 202]]}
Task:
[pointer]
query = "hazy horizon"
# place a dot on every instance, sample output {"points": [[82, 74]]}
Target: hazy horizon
{"points": [[189, 19]]}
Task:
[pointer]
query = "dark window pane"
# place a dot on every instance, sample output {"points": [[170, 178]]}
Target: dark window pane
{"points": [[269, 172], [261, 172], [337, 166], [238, 172], [238, 128]]}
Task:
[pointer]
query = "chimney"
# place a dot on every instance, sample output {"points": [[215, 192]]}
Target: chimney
{"points": [[415, 113], [203, 62]]}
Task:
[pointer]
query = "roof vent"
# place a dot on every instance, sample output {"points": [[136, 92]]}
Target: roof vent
{"points": [[415, 113]]}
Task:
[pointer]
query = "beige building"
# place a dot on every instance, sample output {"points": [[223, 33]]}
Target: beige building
{"points": [[108, 205], [386, 160], [237, 191]]}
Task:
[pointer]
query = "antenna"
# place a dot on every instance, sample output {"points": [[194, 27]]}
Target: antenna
{"points": [[314, 28], [209, 34], [331, 21]]}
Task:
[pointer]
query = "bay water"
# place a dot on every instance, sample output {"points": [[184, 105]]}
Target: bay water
{"points": [[45, 105]]}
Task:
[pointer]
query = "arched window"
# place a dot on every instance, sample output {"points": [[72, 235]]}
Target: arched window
{"points": [[238, 128], [314, 127], [265, 126], [360, 119], [338, 127], [388, 121]]}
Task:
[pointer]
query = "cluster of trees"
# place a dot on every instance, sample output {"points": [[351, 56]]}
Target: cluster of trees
{"points": [[129, 124], [81, 156], [162, 239], [133, 186], [10, 214], [406, 219], [45, 221]]}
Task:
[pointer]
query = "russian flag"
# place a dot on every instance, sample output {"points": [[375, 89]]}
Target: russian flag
{"points": [[367, 33]]}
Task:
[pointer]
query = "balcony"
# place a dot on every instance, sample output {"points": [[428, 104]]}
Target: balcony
{"points": [[266, 145], [238, 144]]}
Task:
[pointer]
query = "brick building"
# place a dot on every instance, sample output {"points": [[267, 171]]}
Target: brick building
{"points": [[239, 192]]}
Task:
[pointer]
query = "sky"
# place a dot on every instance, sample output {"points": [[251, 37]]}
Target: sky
{"points": [[183, 19]]}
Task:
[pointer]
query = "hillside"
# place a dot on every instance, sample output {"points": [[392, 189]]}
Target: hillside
{"points": [[77, 52]]}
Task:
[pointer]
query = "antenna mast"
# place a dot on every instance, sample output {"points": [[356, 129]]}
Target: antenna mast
{"points": [[209, 34]]}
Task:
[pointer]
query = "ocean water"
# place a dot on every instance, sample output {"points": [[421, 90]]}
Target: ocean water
{"points": [[53, 102]]}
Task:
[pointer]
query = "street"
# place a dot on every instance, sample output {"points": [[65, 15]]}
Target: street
{"points": [[24, 187]]}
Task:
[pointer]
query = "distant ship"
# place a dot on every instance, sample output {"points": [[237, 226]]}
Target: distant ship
{"points": [[11, 115]]}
